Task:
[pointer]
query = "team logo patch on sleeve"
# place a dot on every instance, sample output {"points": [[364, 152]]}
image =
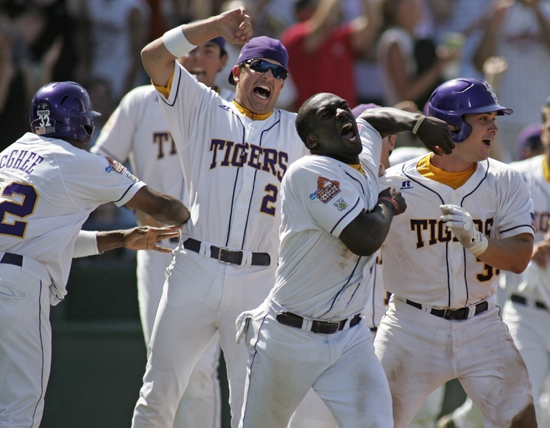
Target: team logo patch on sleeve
{"points": [[326, 189], [341, 204], [114, 166]]}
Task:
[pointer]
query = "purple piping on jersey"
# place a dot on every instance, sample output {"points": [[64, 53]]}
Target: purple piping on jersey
{"points": [[358, 181], [42, 350], [254, 183], [345, 286], [252, 363], [345, 215]]}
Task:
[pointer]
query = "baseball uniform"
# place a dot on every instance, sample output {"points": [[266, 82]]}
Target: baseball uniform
{"points": [[527, 311], [442, 322], [137, 132], [233, 165], [49, 188], [318, 281]]}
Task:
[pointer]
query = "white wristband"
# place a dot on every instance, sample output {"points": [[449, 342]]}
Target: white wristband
{"points": [[176, 42], [418, 123], [85, 244]]}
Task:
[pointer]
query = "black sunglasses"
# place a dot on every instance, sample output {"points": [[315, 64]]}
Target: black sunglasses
{"points": [[262, 66]]}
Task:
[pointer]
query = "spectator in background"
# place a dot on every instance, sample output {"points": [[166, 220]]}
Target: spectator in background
{"points": [[396, 55], [112, 34], [519, 31], [322, 51], [21, 74], [529, 143]]}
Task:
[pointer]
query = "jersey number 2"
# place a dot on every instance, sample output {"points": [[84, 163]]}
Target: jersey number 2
{"points": [[16, 209], [269, 200]]}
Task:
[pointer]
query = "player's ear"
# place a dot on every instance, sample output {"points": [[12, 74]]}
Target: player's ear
{"points": [[311, 142], [236, 73]]}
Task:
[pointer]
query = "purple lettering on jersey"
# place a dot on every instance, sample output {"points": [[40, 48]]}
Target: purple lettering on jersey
{"points": [[240, 154], [254, 155], [19, 159], [214, 146], [257, 157]]}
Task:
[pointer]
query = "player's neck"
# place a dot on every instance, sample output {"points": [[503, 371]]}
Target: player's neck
{"points": [[249, 114]]}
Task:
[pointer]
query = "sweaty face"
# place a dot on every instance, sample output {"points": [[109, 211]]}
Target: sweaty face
{"points": [[478, 144], [257, 91], [205, 61], [334, 128]]}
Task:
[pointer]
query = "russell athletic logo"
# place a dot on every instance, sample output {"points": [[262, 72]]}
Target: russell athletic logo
{"points": [[326, 189]]}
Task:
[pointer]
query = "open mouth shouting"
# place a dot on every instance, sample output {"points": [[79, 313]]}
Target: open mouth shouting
{"points": [[200, 73], [348, 132], [263, 91]]}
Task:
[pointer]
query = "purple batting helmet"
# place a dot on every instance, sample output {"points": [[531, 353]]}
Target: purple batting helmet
{"points": [[451, 100], [63, 109]]}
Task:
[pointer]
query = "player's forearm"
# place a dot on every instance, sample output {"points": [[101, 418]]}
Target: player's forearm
{"points": [[367, 232], [512, 254]]}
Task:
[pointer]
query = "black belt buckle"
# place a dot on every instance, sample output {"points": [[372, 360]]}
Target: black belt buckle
{"points": [[228, 256], [455, 314]]}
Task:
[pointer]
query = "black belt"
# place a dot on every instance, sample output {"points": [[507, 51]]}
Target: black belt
{"points": [[175, 239], [523, 301], [12, 259], [225, 255], [453, 314], [322, 327]]}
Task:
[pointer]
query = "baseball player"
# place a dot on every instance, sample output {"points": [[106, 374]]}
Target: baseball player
{"points": [[527, 310], [233, 155], [49, 186], [137, 131], [468, 217], [309, 332]]}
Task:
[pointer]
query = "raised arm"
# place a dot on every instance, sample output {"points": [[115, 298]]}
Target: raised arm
{"points": [[158, 59], [434, 133]]}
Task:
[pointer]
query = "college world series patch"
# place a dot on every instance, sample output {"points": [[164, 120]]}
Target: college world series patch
{"points": [[326, 189]]}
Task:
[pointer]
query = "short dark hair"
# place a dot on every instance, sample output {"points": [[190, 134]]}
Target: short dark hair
{"points": [[303, 121]]}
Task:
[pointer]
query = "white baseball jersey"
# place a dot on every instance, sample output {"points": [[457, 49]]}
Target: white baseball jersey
{"points": [[324, 195], [532, 172], [498, 200], [49, 188], [242, 165], [232, 167], [318, 278], [426, 268]]}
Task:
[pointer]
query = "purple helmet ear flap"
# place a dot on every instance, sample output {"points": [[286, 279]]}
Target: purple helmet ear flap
{"points": [[464, 129]]}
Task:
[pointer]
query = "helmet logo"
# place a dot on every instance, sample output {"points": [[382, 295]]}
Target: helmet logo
{"points": [[45, 126], [491, 91]]}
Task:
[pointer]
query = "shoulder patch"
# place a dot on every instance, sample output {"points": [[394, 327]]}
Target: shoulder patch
{"points": [[114, 166], [326, 189]]}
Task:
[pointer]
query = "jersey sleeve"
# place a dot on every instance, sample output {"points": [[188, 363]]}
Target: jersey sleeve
{"points": [[516, 214], [95, 178], [117, 135], [372, 147], [187, 105], [324, 195]]}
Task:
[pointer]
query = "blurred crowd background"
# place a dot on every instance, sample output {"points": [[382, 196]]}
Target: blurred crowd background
{"points": [[404, 50]]}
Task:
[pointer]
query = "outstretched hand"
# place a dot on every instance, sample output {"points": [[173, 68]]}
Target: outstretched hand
{"points": [[147, 237], [235, 26], [436, 135]]}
